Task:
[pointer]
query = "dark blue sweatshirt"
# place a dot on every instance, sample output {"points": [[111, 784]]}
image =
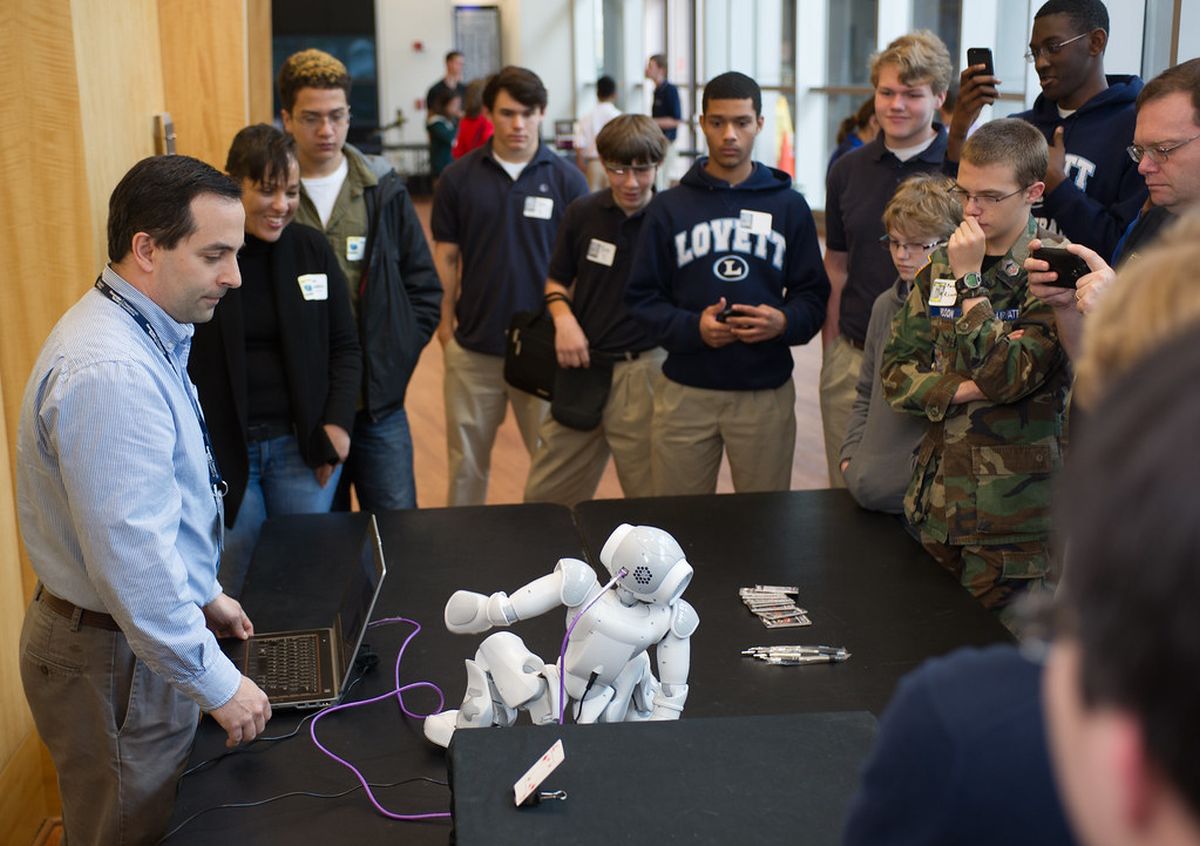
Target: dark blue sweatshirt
{"points": [[1103, 191], [692, 251]]}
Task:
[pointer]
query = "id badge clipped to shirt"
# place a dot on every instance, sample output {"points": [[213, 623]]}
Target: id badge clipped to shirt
{"points": [[541, 208], [943, 293]]}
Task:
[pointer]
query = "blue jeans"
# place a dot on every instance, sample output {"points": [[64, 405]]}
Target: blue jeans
{"points": [[380, 465], [279, 483]]}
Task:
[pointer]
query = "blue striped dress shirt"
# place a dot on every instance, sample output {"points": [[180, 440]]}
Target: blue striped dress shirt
{"points": [[113, 489]]}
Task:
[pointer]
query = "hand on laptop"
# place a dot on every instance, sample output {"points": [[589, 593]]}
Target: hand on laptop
{"points": [[245, 716], [227, 619]]}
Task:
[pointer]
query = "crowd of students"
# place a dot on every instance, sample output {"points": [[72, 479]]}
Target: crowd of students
{"points": [[949, 352]]}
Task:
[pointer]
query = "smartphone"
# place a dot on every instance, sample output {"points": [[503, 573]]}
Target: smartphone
{"points": [[1069, 267], [981, 56], [728, 312]]}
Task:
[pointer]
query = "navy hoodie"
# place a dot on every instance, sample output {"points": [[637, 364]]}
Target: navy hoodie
{"points": [[1103, 191], [692, 252]]}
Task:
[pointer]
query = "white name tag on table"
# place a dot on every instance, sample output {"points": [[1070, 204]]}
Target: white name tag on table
{"points": [[538, 773], [540, 207], [314, 286], [601, 252], [757, 222]]}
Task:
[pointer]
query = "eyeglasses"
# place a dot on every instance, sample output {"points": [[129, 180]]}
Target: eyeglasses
{"points": [[621, 170], [984, 201], [1050, 49], [315, 120], [888, 243], [1158, 153]]}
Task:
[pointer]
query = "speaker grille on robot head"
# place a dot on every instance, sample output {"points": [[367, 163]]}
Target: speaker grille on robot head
{"points": [[642, 575]]}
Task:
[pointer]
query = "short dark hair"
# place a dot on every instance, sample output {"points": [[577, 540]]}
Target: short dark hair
{"points": [[522, 84], [155, 197], [452, 54], [1131, 593], [260, 153], [660, 60], [1086, 14], [310, 69], [606, 86], [1184, 77], [1009, 141], [631, 139], [732, 85]]}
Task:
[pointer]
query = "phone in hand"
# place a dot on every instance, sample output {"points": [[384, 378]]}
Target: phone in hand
{"points": [[1069, 267], [981, 56], [729, 311]]}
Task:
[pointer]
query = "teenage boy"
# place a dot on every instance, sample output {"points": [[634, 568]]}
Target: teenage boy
{"points": [[1093, 189], [977, 355], [727, 277], [362, 206], [910, 79], [877, 453], [585, 295], [495, 216]]}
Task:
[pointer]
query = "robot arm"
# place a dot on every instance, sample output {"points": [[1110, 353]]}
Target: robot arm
{"points": [[468, 612], [673, 655]]}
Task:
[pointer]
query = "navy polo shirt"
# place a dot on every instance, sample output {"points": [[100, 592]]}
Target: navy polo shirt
{"points": [[666, 104], [595, 249], [859, 185], [505, 233]]}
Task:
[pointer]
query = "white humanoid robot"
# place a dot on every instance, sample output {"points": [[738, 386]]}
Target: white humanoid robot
{"points": [[606, 669]]}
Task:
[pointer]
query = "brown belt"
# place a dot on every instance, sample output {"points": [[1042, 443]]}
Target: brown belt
{"points": [[858, 345], [60, 606]]}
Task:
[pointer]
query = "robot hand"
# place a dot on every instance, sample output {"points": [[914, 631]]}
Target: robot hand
{"points": [[468, 612]]}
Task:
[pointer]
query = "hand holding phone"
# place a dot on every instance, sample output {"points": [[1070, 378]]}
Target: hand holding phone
{"points": [[981, 56], [729, 311], [1069, 267]]}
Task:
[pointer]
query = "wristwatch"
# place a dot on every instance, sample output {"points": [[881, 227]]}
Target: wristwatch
{"points": [[968, 284]]}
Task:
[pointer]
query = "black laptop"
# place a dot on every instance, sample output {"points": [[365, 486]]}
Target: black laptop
{"points": [[310, 668]]}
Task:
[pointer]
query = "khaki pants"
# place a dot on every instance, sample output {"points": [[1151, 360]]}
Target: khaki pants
{"points": [[118, 733], [839, 386], [475, 394], [568, 463], [756, 429]]}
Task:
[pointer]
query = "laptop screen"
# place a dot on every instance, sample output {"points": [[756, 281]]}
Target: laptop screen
{"points": [[358, 601]]}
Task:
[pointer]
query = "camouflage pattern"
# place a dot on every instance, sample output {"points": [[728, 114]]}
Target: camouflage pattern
{"points": [[983, 474], [997, 575]]}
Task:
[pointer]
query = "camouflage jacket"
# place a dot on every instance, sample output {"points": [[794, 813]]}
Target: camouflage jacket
{"points": [[984, 468]]}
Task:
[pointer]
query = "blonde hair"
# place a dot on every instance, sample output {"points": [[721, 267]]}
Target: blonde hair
{"points": [[1154, 299], [923, 205], [310, 68], [920, 57]]}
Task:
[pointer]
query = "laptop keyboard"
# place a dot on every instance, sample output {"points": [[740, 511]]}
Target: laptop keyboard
{"points": [[286, 665]]}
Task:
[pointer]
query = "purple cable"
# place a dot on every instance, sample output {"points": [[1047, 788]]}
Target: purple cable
{"points": [[562, 652], [398, 692]]}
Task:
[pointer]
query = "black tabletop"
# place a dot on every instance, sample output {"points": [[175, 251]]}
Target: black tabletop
{"points": [[866, 584]]}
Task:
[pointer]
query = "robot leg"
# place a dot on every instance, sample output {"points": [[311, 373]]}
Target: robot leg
{"points": [[630, 701]]}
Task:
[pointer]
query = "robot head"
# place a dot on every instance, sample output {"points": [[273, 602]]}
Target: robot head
{"points": [[658, 569]]}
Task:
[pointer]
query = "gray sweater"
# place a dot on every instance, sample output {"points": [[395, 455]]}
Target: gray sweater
{"points": [[880, 441]]}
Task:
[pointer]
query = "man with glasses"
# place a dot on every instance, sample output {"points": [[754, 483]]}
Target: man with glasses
{"points": [[1093, 190], [592, 330], [1167, 151], [975, 354], [362, 206]]}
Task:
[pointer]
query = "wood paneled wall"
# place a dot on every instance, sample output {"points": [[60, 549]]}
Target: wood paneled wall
{"points": [[85, 80]]}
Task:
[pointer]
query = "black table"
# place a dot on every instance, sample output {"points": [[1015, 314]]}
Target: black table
{"points": [[867, 586]]}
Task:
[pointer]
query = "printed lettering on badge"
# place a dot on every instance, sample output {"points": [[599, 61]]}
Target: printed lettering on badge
{"points": [[356, 247], [314, 286], [601, 252], [540, 207], [755, 222], [943, 293]]}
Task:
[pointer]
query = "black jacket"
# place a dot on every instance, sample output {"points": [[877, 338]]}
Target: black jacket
{"points": [[400, 301], [320, 352]]}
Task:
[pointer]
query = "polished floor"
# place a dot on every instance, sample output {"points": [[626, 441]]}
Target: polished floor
{"points": [[510, 462]]}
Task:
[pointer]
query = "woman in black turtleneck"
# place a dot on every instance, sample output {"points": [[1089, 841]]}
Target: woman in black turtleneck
{"points": [[278, 367]]}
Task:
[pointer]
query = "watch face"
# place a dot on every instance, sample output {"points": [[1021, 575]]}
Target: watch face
{"points": [[971, 280]]}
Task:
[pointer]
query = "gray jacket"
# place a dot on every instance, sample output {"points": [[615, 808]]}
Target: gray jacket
{"points": [[880, 441]]}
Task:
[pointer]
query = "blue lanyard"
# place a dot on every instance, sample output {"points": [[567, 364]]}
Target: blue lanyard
{"points": [[218, 485]]}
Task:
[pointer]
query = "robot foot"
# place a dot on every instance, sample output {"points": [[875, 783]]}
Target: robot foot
{"points": [[439, 728]]}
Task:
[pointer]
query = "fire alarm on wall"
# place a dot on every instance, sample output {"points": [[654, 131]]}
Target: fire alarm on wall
{"points": [[418, 46]]}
